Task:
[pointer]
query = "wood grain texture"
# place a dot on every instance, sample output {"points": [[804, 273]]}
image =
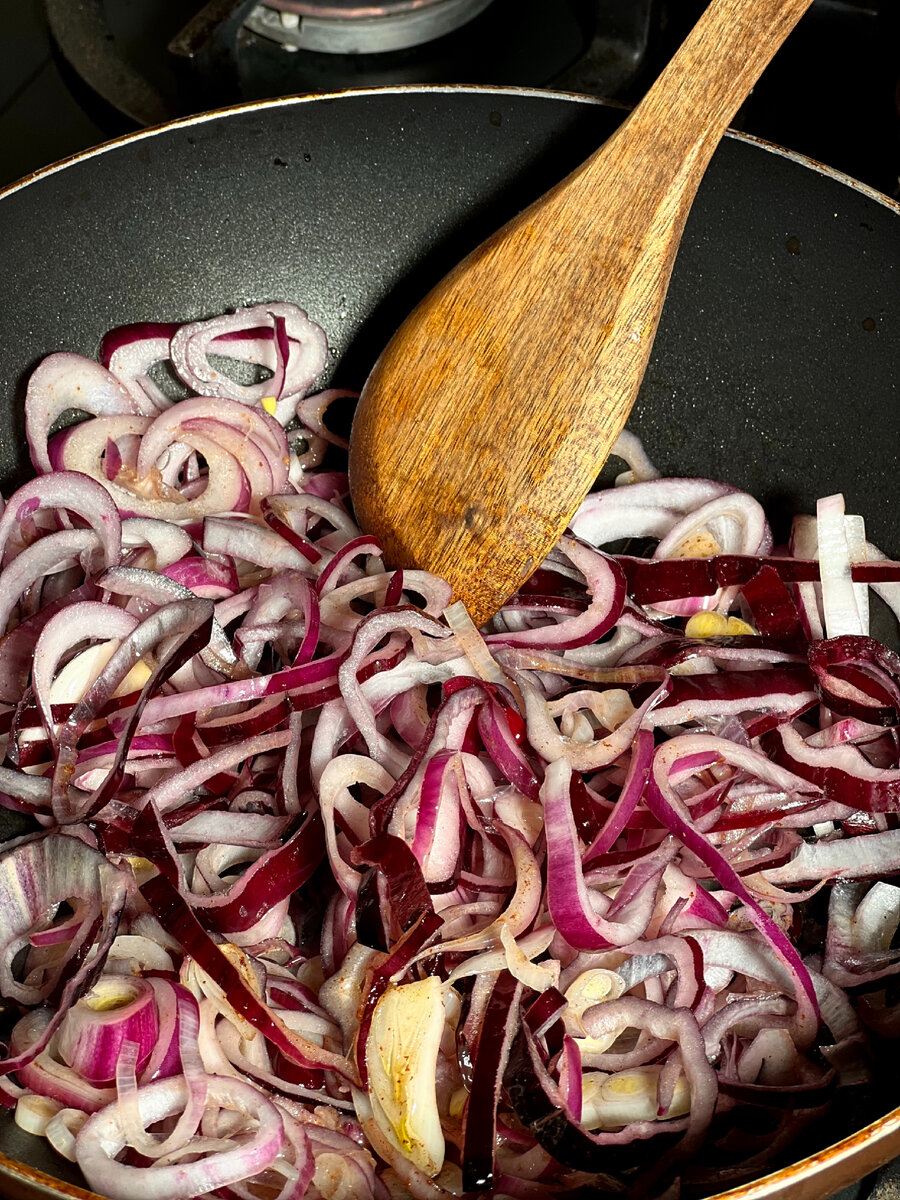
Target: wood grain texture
{"points": [[491, 411]]}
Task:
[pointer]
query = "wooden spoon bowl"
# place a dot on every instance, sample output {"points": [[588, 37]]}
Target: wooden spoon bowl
{"points": [[493, 408]]}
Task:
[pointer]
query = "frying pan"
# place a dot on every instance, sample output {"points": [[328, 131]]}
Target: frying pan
{"points": [[774, 367]]}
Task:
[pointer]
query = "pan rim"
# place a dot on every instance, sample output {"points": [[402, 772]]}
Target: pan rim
{"points": [[277, 102], [26, 1176], [805, 1170]]}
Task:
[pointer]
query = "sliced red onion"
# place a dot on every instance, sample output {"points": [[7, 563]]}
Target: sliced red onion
{"points": [[872, 692], [34, 1113], [653, 581], [224, 487], [129, 352], [192, 345], [804, 544], [339, 776], [629, 447], [158, 588], [270, 510], [841, 771], [62, 1130], [538, 1103], [164, 898], [575, 912], [632, 790], [310, 685], [182, 627], [103, 1138], [839, 599], [405, 890], [369, 633], [169, 542], [269, 882], [260, 477], [229, 424], [99, 446], [74, 493], [172, 792], [132, 954], [116, 1010], [33, 564], [733, 523], [175, 1007], [46, 1075], [311, 412], [480, 1116], [204, 577], [868, 857], [34, 879], [68, 381], [765, 1010], [606, 585], [638, 510], [665, 805], [115, 889], [342, 566], [585, 756], [773, 610], [659, 785], [234, 828], [889, 592], [501, 729], [677, 1025], [251, 542], [75, 624], [729, 693], [519, 912], [436, 844]]}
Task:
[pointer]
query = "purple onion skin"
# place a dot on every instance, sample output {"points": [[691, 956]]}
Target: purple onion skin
{"points": [[491, 1055], [409, 896], [652, 582], [124, 335]]}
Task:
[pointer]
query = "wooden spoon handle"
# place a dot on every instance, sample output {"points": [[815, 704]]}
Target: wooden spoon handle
{"points": [[704, 84], [626, 207]]}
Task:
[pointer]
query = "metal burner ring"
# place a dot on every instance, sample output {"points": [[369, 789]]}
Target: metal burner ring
{"points": [[359, 28]]}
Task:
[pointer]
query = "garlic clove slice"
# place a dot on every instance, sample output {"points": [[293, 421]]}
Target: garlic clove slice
{"points": [[401, 1057]]}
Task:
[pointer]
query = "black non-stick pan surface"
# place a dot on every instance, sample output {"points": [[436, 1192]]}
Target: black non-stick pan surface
{"points": [[776, 363], [775, 366]]}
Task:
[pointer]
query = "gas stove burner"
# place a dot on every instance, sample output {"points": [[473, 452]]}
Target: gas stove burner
{"points": [[351, 27], [143, 60]]}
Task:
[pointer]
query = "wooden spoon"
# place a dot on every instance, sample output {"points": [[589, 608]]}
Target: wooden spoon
{"points": [[488, 416]]}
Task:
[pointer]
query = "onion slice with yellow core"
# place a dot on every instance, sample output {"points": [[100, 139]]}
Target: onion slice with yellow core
{"points": [[401, 1057], [118, 1008], [611, 1101]]}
